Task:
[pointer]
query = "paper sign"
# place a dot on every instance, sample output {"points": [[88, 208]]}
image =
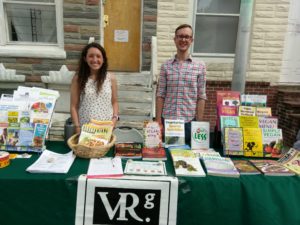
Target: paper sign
{"points": [[121, 36]]}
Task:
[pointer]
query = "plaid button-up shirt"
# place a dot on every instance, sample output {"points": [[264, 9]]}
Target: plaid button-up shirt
{"points": [[181, 85]]}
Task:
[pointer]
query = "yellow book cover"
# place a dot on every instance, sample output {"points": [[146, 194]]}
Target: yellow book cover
{"points": [[253, 146], [249, 121], [263, 111], [247, 110], [95, 135]]}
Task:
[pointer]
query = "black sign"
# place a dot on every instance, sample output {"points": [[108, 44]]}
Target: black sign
{"points": [[120, 206]]}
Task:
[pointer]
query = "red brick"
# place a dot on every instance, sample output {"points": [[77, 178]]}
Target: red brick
{"points": [[71, 28], [92, 2]]}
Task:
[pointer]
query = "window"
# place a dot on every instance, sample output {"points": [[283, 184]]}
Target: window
{"points": [[31, 28], [216, 26]]}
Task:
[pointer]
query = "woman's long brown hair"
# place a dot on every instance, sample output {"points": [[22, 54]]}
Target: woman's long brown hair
{"points": [[84, 69]]}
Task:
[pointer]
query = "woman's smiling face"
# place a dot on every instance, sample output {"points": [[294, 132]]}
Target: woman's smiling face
{"points": [[94, 59]]}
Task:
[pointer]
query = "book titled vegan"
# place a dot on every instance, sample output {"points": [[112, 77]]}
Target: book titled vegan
{"points": [[272, 142], [174, 132], [152, 134], [200, 135]]}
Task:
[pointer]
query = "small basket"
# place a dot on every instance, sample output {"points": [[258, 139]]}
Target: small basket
{"points": [[89, 152]]}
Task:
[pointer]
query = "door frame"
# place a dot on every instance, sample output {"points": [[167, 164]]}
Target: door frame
{"points": [[141, 29]]}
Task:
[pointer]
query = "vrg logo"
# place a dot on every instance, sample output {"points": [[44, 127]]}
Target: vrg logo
{"points": [[126, 206]]}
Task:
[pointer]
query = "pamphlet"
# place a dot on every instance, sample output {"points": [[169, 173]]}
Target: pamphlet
{"points": [[52, 162], [145, 168], [105, 167]]}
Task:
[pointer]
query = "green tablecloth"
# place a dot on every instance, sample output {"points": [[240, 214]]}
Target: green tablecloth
{"points": [[50, 199]]}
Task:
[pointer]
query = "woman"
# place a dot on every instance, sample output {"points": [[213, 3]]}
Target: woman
{"points": [[93, 89]]}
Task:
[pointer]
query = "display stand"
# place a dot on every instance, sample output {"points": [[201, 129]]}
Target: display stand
{"points": [[25, 118]]}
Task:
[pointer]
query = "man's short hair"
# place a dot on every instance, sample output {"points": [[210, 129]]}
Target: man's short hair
{"points": [[183, 26]]}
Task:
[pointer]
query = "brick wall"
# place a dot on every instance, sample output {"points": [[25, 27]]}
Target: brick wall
{"points": [[262, 88], [288, 105]]}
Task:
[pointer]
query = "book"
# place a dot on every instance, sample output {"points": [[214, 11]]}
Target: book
{"points": [[225, 110], [272, 142], [268, 122], [152, 134], [52, 162], [245, 167], [233, 141], [220, 166], [3, 133], [158, 153], [247, 110], [254, 100], [186, 163], [93, 135], [263, 111], [233, 98], [249, 121], [39, 134], [145, 168], [228, 97], [202, 152], [174, 132], [271, 168], [26, 134], [291, 160], [200, 131], [229, 121], [129, 150], [105, 167], [252, 142], [13, 131]]}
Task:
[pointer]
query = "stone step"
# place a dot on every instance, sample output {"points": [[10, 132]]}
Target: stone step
{"points": [[133, 79]]}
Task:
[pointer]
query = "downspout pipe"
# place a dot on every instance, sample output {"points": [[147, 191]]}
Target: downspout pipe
{"points": [[242, 47]]}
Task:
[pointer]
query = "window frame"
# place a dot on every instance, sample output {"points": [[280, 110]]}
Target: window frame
{"points": [[211, 55], [34, 50]]}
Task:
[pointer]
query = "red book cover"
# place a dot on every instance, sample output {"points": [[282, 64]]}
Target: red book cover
{"points": [[130, 150], [158, 153]]}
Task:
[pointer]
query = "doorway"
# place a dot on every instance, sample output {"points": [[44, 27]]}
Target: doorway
{"points": [[122, 34]]}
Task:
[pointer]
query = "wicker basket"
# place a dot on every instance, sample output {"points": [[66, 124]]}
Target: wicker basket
{"points": [[89, 152]]}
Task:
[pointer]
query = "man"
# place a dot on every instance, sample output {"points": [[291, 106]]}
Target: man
{"points": [[181, 91]]}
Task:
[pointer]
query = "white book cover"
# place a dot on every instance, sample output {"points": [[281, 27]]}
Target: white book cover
{"points": [[200, 135], [174, 133], [268, 122], [145, 168], [186, 163], [105, 167], [152, 134]]}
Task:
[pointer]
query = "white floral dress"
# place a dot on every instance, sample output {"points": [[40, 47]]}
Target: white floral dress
{"points": [[93, 105]]}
